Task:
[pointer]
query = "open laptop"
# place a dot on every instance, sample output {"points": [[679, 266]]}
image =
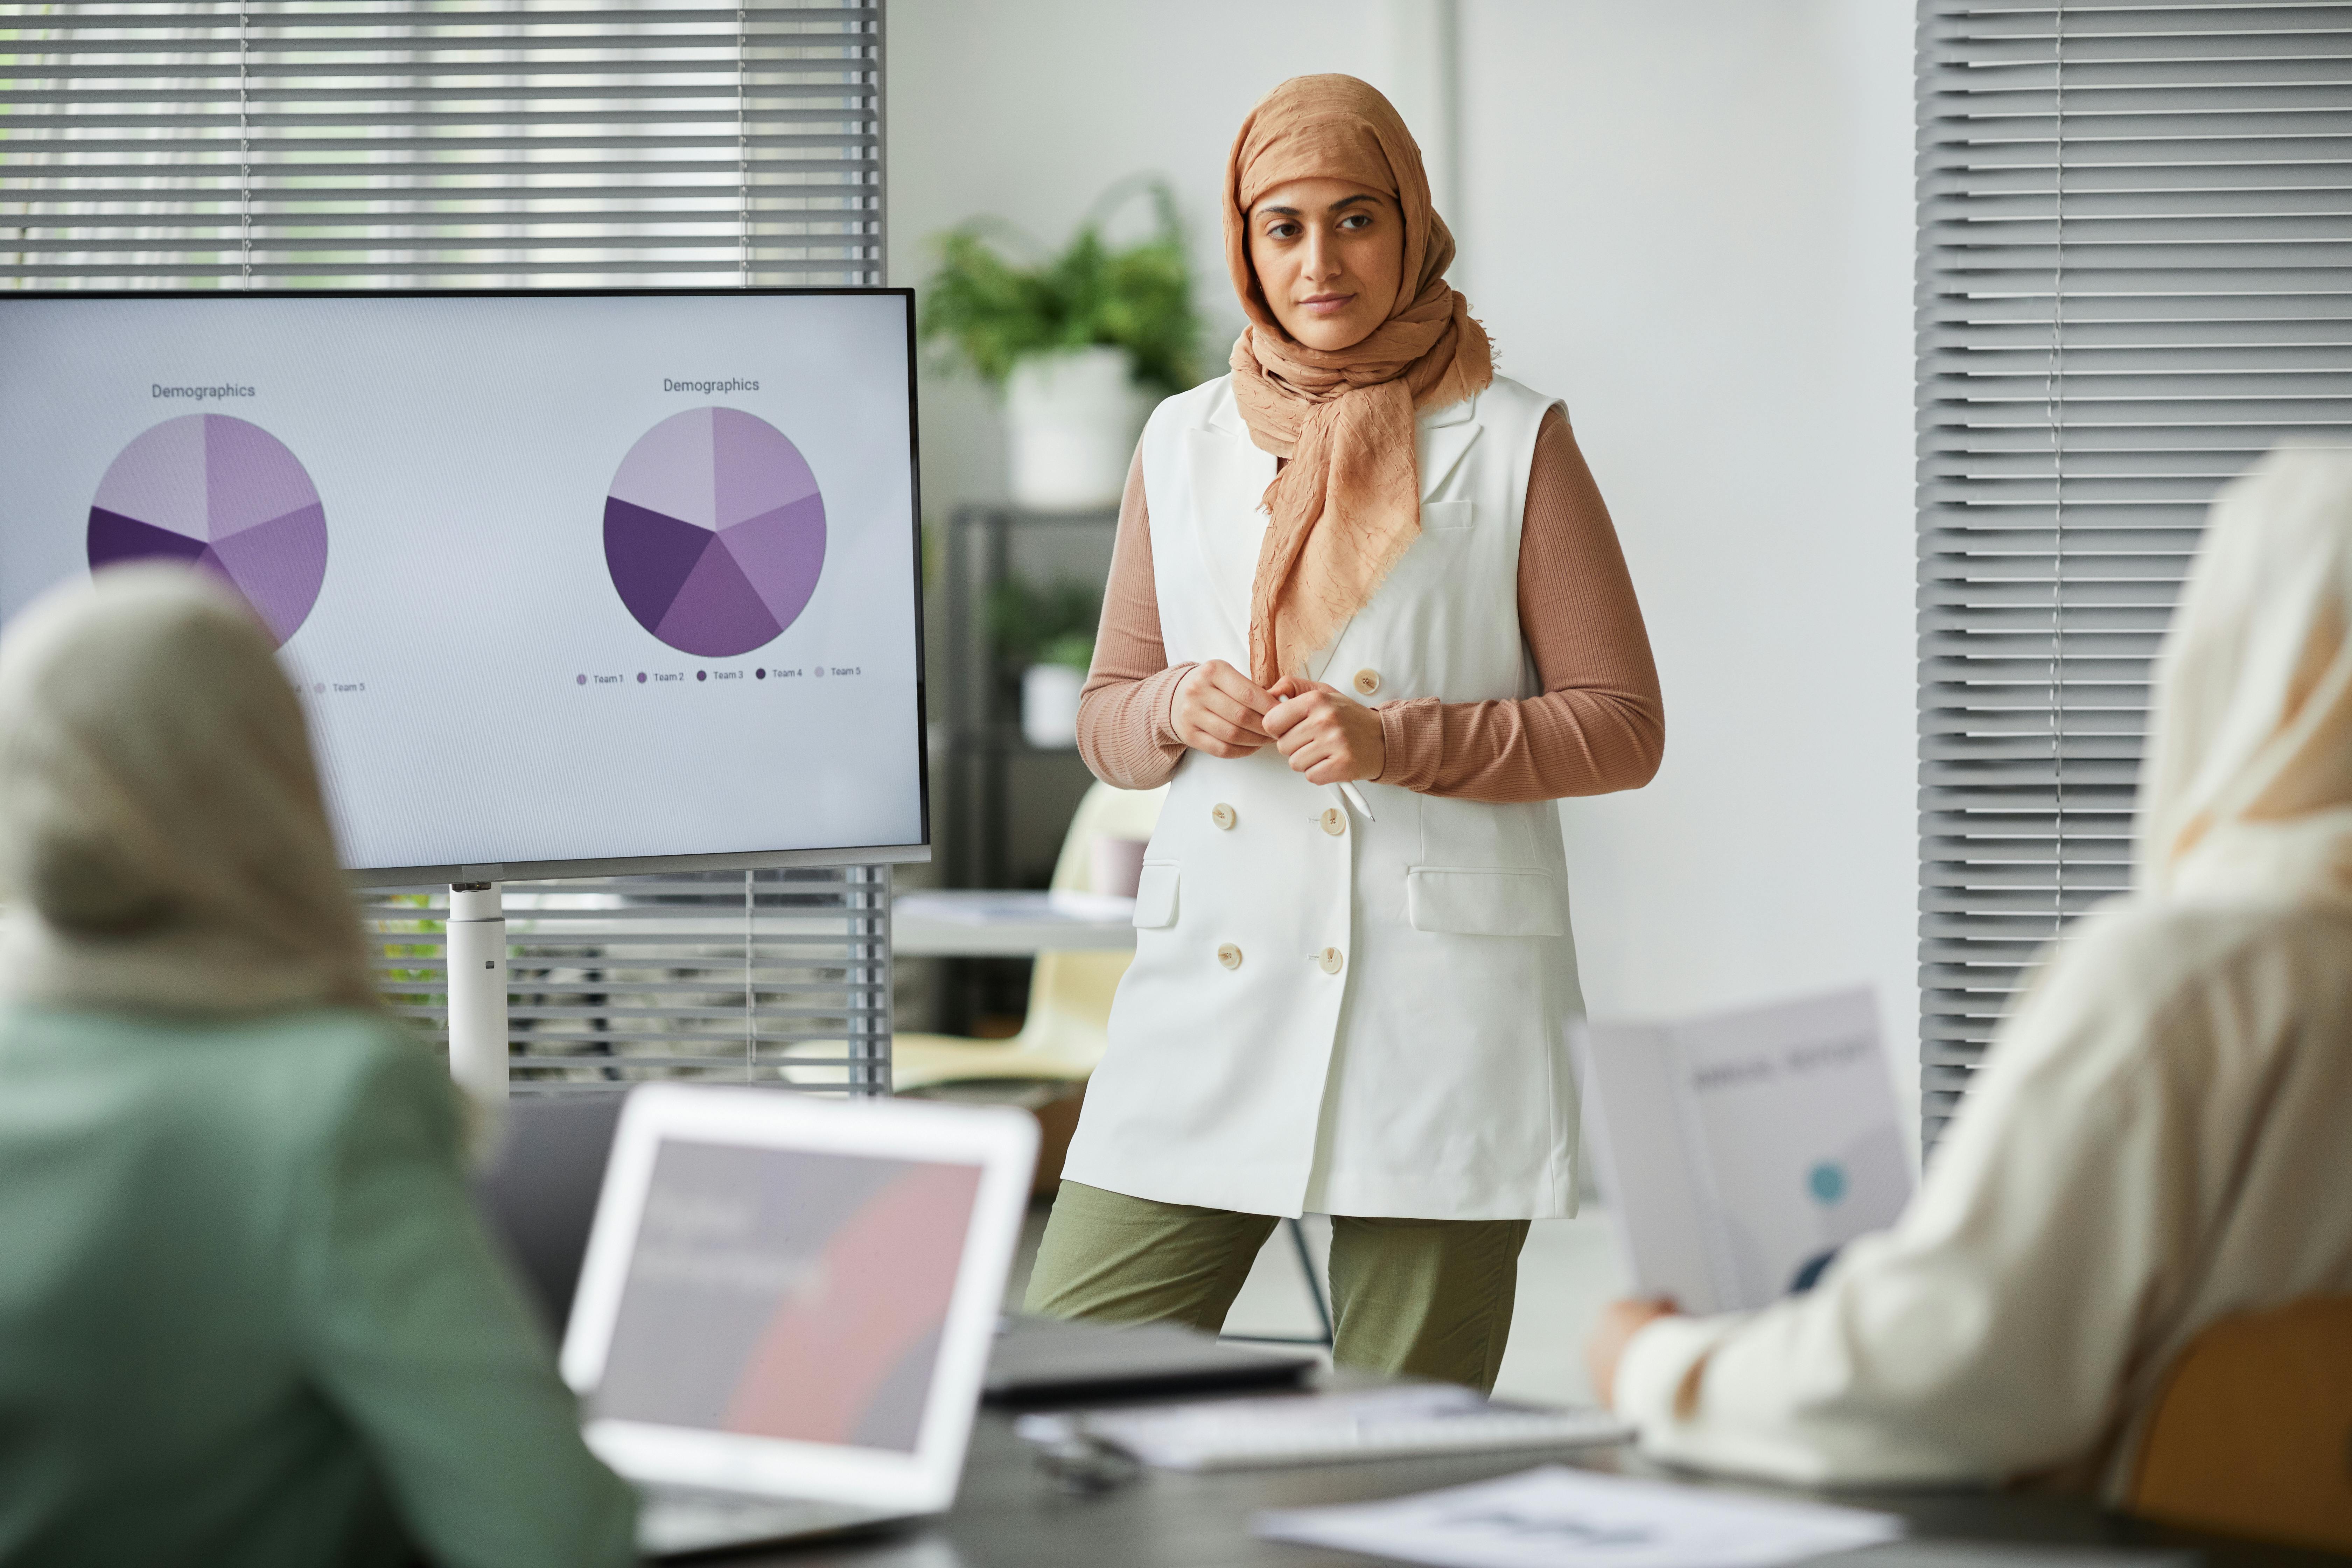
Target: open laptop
{"points": [[786, 1307]]}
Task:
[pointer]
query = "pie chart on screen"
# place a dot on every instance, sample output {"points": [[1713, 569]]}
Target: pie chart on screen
{"points": [[714, 532], [223, 494]]}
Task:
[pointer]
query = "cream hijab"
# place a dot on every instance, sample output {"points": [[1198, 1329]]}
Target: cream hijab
{"points": [[2248, 790], [1348, 504], [164, 844]]}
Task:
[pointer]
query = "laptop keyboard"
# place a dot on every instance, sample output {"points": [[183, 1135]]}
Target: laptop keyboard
{"points": [[670, 1522]]}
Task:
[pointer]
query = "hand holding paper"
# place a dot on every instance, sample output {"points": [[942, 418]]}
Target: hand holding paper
{"points": [[1620, 1321]]}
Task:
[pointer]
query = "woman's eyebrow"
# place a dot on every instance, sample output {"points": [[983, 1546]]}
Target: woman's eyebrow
{"points": [[1270, 210]]}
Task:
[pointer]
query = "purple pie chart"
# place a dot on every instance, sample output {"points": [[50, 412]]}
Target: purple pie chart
{"points": [[223, 494], [714, 532]]}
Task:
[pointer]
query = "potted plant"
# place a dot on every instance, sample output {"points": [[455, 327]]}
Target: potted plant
{"points": [[1048, 635], [1080, 344]]}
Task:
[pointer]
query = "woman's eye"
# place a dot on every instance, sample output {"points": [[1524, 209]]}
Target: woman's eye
{"points": [[1357, 221], [1282, 231]]}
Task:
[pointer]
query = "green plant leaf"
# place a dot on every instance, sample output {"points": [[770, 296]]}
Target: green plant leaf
{"points": [[984, 311], [1076, 649], [1027, 621]]}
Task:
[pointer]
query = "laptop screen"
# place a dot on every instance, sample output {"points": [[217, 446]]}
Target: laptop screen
{"points": [[788, 1293]]}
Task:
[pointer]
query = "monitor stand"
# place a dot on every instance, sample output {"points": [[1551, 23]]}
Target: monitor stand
{"points": [[476, 936]]}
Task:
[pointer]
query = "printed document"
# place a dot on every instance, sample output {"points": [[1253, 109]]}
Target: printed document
{"points": [[1737, 1152], [1558, 1518]]}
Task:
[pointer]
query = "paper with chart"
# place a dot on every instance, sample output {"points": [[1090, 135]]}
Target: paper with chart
{"points": [[1741, 1148], [1558, 1518]]}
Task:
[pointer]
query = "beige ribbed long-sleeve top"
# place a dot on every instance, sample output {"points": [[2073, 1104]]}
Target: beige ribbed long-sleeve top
{"points": [[1598, 726], [2156, 1143]]}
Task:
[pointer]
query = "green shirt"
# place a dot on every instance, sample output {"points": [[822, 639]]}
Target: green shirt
{"points": [[249, 1314]]}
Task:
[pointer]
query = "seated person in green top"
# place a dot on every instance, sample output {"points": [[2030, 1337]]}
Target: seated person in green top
{"points": [[247, 1314]]}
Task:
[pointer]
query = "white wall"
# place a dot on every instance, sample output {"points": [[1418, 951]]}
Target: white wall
{"points": [[1690, 218], [1028, 109]]}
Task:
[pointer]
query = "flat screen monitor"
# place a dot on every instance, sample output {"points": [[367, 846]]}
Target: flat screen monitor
{"points": [[570, 582]]}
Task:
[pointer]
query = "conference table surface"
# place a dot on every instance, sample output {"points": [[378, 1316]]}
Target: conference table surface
{"points": [[1011, 1514]]}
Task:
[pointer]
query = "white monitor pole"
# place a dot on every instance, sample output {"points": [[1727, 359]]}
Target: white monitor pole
{"points": [[478, 990]]}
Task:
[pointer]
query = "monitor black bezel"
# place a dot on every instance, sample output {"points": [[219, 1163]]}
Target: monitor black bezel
{"points": [[397, 876]]}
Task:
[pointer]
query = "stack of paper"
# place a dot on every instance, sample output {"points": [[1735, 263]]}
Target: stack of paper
{"points": [[1321, 1428], [1556, 1517]]}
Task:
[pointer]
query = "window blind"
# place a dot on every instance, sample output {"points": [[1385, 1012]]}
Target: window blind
{"points": [[2135, 276], [749, 976], [501, 143], [497, 143]]}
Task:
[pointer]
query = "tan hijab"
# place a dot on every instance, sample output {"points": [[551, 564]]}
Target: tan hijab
{"points": [[164, 844], [2247, 789], [1348, 504]]}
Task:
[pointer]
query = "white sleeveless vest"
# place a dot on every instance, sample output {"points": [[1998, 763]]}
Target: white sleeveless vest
{"points": [[1332, 1013]]}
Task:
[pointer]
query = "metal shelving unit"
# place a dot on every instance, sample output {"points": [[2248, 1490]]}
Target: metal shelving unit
{"points": [[988, 763], [984, 743]]}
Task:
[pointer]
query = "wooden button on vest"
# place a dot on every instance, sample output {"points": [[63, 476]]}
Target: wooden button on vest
{"points": [[1368, 681], [1230, 956], [1222, 815], [1335, 822], [1330, 960]]}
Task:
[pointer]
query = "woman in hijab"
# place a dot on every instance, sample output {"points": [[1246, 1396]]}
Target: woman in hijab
{"points": [[247, 1314], [2158, 1140], [1367, 611]]}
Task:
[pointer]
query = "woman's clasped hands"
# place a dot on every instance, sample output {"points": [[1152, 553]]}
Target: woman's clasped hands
{"points": [[1322, 732]]}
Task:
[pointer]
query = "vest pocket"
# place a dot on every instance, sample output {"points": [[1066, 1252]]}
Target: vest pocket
{"points": [[1445, 516], [1476, 900], [1155, 896]]}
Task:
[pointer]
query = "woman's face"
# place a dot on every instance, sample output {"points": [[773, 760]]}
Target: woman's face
{"points": [[1330, 255]]}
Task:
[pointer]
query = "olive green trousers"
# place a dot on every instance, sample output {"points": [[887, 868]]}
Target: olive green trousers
{"points": [[1416, 1298]]}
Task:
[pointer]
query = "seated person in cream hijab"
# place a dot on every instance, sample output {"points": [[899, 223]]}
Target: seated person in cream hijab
{"points": [[247, 1315], [2162, 1134]]}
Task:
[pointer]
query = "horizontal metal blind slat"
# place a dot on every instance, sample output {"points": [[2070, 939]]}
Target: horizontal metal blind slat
{"points": [[763, 977], [413, 24], [2178, 196], [345, 115]]}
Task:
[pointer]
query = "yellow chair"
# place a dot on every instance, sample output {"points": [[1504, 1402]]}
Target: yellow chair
{"points": [[2252, 1430], [1046, 1065]]}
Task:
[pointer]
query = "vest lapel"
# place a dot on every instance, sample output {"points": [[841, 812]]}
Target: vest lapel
{"points": [[1445, 436], [1229, 476]]}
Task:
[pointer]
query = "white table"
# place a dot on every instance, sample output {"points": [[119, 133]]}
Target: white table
{"points": [[990, 923]]}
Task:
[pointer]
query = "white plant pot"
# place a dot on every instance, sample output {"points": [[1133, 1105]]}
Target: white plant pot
{"points": [[1049, 704], [1075, 415]]}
